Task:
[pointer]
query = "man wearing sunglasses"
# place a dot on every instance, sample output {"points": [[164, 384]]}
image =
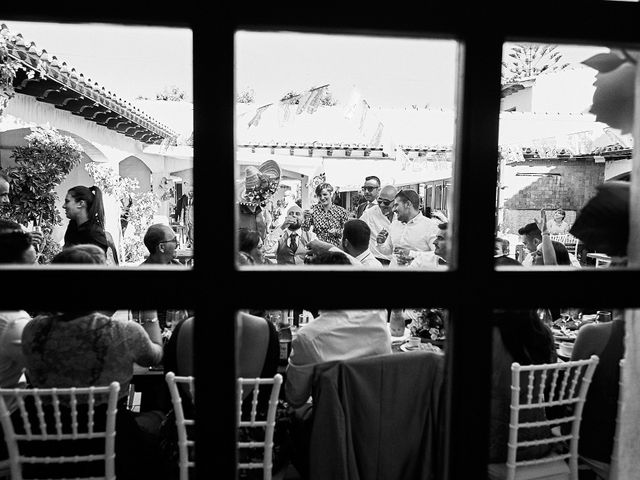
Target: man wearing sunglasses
{"points": [[162, 244], [370, 190], [379, 218]]}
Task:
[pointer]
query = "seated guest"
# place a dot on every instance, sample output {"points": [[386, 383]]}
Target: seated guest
{"points": [[15, 247], [88, 348], [289, 242], [542, 250], [251, 244], [439, 256], [603, 224], [518, 336], [558, 226], [501, 246], [355, 244], [161, 241]]}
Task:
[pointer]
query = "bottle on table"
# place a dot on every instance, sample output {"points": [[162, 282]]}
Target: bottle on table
{"points": [[284, 338], [396, 323]]}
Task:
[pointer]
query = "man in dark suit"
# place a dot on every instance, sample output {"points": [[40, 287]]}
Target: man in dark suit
{"points": [[370, 190]]}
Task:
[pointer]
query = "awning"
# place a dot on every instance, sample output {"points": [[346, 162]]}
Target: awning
{"points": [[349, 174]]}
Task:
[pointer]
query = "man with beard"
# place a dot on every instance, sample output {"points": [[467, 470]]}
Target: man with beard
{"points": [[289, 242]]}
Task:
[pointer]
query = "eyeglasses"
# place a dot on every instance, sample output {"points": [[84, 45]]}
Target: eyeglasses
{"points": [[173, 240], [382, 201], [369, 189]]}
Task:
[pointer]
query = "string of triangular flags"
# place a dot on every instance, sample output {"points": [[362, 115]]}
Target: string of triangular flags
{"points": [[306, 102]]}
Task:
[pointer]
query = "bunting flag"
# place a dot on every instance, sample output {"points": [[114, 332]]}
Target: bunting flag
{"points": [[256, 117], [402, 158], [363, 114], [284, 109], [304, 102], [315, 99], [375, 140], [352, 104]]}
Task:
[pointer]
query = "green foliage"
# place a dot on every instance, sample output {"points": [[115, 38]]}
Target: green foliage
{"points": [[40, 167], [246, 96], [172, 93], [530, 60], [143, 207]]}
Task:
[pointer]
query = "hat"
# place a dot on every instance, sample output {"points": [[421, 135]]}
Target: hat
{"points": [[260, 183], [603, 223]]}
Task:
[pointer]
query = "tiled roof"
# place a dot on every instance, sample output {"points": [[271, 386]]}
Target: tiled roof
{"points": [[56, 83]]}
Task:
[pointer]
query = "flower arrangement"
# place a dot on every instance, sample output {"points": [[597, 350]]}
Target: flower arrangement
{"points": [[429, 324], [261, 192]]}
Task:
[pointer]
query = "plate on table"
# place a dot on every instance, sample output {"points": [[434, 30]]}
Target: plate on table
{"points": [[426, 347]]}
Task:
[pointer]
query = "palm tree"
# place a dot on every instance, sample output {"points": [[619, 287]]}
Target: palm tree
{"points": [[530, 60]]}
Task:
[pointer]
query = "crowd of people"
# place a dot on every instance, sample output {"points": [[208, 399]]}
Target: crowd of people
{"points": [[391, 230], [43, 349]]}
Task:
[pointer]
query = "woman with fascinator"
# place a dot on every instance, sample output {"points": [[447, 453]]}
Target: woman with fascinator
{"points": [[259, 185]]}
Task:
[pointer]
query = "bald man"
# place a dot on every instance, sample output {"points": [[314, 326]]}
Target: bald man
{"points": [[162, 243], [289, 242], [379, 218]]}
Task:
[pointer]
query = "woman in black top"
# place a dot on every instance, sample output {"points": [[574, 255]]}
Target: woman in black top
{"points": [[85, 211]]}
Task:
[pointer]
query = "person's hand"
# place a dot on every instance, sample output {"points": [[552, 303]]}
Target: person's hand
{"points": [[37, 238], [403, 255], [382, 236], [317, 246], [542, 223]]}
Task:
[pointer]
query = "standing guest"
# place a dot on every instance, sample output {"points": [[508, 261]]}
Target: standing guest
{"points": [[380, 218], [289, 242], [501, 246], [84, 208], [284, 205], [88, 348], [259, 185], [162, 243], [251, 244], [188, 217], [558, 226], [437, 258], [326, 218], [370, 190], [412, 232]]}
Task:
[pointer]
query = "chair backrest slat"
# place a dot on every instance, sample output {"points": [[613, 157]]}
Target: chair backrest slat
{"points": [[49, 406], [255, 424], [575, 378], [184, 442]]}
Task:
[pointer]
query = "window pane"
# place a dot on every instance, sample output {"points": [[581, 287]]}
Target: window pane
{"points": [[107, 106], [565, 144], [391, 370], [333, 127]]}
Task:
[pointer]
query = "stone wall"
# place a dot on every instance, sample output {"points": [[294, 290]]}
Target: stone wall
{"points": [[575, 185]]}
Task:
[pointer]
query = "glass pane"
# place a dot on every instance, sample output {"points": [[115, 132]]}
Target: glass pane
{"points": [[541, 387], [391, 371], [565, 147], [332, 128], [99, 105]]}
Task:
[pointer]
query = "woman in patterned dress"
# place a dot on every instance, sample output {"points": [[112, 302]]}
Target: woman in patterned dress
{"points": [[326, 218]]}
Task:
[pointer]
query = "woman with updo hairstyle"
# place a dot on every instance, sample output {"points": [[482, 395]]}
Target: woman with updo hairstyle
{"points": [[326, 218], [558, 226], [84, 208]]}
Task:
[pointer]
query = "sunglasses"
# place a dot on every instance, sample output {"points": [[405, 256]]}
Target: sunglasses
{"points": [[384, 202], [369, 189], [173, 240]]}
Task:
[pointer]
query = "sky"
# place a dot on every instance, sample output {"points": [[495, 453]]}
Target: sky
{"points": [[387, 72], [128, 61]]}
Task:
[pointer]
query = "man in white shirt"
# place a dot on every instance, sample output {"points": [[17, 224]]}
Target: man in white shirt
{"points": [[410, 233], [333, 335], [355, 244], [289, 242], [439, 257], [380, 218], [370, 191]]}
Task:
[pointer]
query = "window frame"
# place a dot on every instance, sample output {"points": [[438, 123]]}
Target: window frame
{"points": [[482, 30]]}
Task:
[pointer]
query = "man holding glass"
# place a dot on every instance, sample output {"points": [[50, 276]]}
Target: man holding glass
{"points": [[370, 190], [380, 218]]}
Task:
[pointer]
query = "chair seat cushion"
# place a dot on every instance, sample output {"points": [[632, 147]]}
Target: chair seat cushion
{"points": [[557, 470]]}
